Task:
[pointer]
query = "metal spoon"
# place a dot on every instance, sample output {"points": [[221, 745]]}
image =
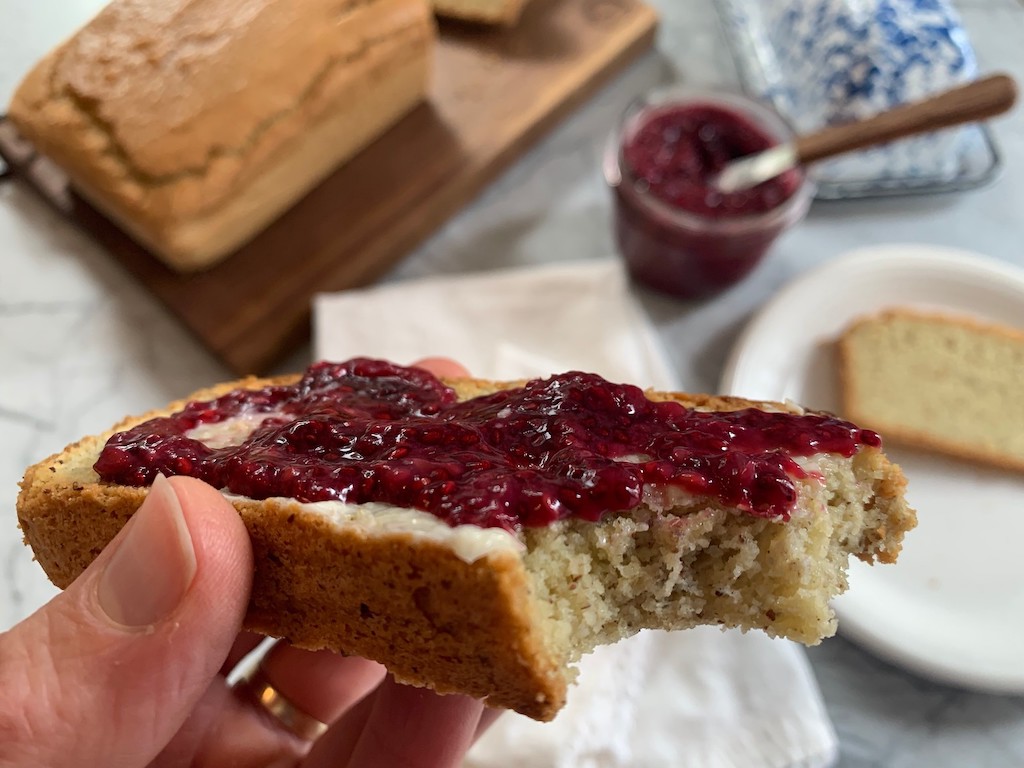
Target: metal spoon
{"points": [[975, 101]]}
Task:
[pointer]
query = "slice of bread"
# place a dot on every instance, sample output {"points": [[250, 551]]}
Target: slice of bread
{"points": [[499, 615], [937, 381]]}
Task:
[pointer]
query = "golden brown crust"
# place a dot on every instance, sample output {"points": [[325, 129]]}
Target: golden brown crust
{"points": [[964, 321], [432, 618], [231, 136], [852, 397], [413, 605]]}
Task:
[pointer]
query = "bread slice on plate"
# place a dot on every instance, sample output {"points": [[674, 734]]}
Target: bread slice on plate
{"points": [[938, 381], [561, 514]]}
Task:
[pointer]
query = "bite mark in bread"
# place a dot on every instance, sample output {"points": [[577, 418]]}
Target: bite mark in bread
{"points": [[507, 624]]}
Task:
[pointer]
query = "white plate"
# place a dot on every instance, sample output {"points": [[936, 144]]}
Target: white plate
{"points": [[953, 607]]}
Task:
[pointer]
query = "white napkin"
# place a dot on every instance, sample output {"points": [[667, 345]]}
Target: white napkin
{"points": [[702, 698], [501, 325]]}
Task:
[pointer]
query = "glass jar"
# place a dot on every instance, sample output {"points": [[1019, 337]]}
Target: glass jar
{"points": [[688, 240]]}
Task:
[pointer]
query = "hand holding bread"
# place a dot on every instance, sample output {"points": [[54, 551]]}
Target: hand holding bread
{"points": [[447, 589], [156, 619]]}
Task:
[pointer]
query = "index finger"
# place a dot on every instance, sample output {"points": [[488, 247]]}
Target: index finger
{"points": [[401, 725], [443, 367]]}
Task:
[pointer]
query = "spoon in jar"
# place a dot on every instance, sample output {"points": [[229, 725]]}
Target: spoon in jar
{"points": [[979, 100]]}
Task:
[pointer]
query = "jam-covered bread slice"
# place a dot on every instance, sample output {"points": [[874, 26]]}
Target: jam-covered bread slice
{"points": [[479, 537]]}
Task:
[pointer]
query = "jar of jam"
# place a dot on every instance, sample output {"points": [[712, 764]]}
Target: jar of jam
{"points": [[676, 232]]}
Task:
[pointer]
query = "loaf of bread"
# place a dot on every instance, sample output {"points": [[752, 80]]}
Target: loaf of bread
{"points": [[491, 611], [195, 123], [503, 12], [937, 381]]}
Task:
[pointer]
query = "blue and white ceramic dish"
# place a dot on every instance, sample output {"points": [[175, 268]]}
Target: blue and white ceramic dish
{"points": [[821, 62]]}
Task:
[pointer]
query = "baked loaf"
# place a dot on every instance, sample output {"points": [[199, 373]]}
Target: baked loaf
{"points": [[501, 614], [195, 123], [503, 12], [937, 381]]}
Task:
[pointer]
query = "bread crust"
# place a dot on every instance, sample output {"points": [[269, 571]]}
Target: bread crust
{"points": [[193, 124], [852, 397], [412, 604]]}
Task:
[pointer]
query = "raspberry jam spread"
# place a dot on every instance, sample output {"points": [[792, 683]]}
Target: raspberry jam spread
{"points": [[573, 445], [676, 232], [677, 151]]}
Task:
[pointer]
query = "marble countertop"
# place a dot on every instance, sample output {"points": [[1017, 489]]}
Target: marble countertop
{"points": [[81, 344]]}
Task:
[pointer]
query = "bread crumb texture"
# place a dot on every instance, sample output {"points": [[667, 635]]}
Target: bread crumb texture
{"points": [[508, 626], [697, 564]]}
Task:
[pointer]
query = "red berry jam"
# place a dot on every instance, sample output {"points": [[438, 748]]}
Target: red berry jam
{"points": [[573, 445], [676, 232], [676, 152]]}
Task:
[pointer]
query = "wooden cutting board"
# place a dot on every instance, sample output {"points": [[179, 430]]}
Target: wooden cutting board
{"points": [[495, 92]]}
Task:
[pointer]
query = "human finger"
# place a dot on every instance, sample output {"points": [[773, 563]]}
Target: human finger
{"points": [[225, 730], [442, 367], [244, 644], [323, 684], [487, 719], [399, 725], [114, 664], [275, 710]]}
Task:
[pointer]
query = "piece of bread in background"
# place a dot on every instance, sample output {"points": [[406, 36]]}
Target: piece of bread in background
{"points": [[195, 124], [504, 12], [499, 614], [937, 381]]}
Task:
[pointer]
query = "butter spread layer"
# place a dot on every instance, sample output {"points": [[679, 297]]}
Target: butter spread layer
{"points": [[468, 542]]}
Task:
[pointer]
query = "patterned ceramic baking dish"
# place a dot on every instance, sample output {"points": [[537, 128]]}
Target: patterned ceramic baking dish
{"points": [[825, 61]]}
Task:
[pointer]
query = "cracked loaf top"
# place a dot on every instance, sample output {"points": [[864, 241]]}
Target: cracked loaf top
{"points": [[167, 107]]}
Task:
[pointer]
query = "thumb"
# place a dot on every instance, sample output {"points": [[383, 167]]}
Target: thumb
{"points": [[106, 672]]}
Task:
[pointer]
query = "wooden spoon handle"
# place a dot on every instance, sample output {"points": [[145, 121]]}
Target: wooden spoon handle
{"points": [[969, 103]]}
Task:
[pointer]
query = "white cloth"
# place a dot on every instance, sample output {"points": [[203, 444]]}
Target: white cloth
{"points": [[501, 325], [703, 697]]}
